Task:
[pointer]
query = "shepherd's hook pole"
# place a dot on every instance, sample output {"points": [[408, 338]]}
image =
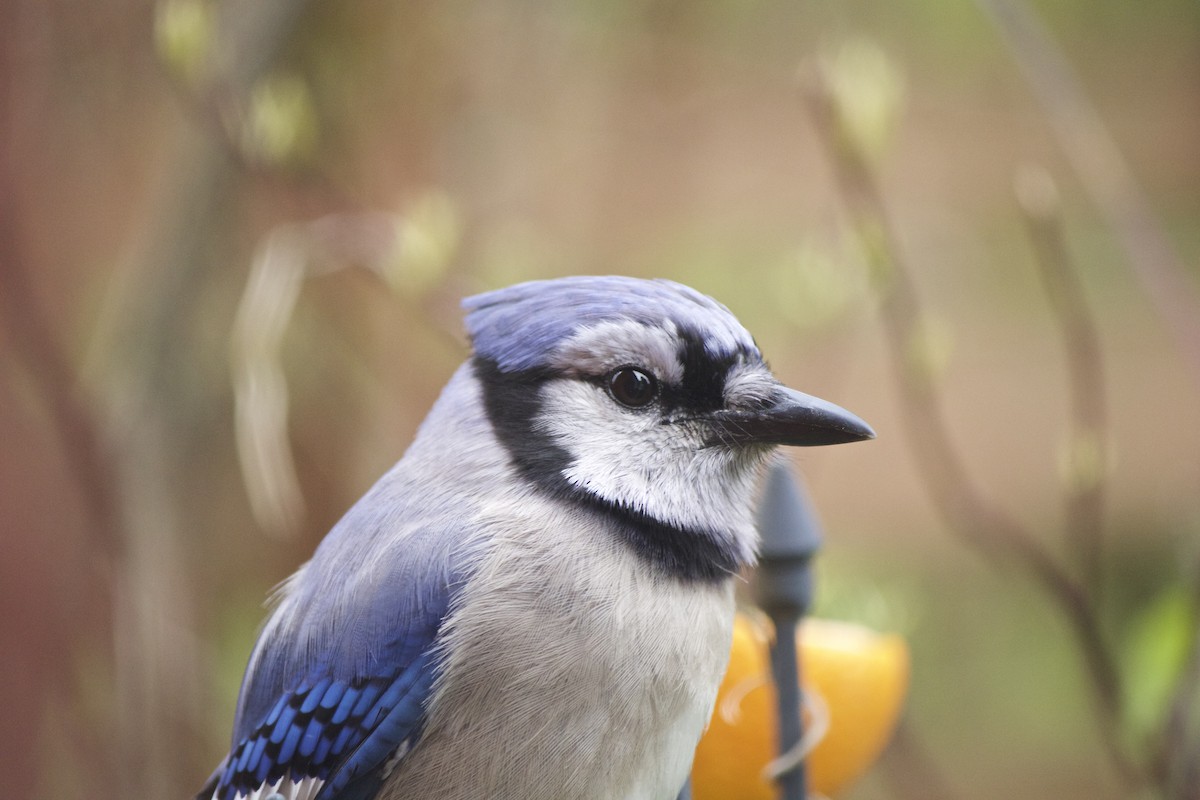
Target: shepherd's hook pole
{"points": [[791, 536]]}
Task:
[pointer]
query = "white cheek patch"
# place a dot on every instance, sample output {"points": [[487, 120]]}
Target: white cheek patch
{"points": [[601, 348], [634, 460]]}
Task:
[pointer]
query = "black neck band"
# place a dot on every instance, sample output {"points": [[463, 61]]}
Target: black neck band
{"points": [[513, 401]]}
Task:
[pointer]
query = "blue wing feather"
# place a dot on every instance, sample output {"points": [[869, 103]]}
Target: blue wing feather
{"points": [[342, 671], [398, 716], [308, 743], [335, 728]]}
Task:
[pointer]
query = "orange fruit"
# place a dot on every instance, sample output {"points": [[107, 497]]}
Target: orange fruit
{"points": [[859, 677]]}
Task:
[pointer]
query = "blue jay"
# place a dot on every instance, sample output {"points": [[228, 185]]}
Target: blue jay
{"points": [[536, 601]]}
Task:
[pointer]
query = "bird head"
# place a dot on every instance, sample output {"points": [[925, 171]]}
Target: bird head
{"points": [[640, 399]]}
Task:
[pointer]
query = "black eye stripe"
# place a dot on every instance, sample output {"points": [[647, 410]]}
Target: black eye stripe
{"points": [[513, 402], [703, 385]]}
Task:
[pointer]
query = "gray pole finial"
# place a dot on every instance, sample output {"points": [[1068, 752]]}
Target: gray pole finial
{"points": [[790, 536]]}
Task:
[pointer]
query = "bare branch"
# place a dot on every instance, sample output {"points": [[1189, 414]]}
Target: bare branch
{"points": [[139, 366], [1107, 177], [981, 524], [33, 337], [1086, 455], [287, 256]]}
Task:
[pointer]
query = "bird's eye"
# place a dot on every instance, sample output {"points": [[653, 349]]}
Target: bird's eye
{"points": [[632, 387]]}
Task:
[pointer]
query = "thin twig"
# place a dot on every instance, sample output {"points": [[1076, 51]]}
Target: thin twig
{"points": [[1087, 449], [142, 364], [28, 329], [35, 343], [1103, 171], [33, 337], [986, 527]]}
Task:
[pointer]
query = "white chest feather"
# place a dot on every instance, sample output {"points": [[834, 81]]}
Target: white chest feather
{"points": [[573, 670]]}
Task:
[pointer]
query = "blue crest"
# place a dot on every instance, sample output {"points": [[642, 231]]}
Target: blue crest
{"points": [[519, 326]]}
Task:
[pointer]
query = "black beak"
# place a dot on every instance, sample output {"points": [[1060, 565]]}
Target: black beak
{"points": [[792, 418]]}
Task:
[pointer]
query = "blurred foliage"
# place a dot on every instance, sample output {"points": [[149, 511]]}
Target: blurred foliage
{"points": [[149, 150], [868, 93], [1157, 647], [428, 242], [281, 125], [183, 33]]}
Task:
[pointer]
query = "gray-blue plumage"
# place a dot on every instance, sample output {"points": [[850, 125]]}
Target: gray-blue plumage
{"points": [[519, 326], [535, 601]]}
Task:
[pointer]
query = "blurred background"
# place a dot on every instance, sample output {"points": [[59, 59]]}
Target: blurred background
{"points": [[233, 237]]}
